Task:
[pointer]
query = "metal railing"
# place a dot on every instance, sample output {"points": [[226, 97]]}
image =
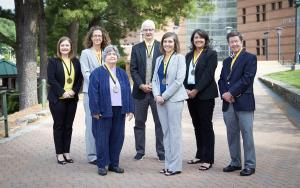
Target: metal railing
{"points": [[3, 94]]}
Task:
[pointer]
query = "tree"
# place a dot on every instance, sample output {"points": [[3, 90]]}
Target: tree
{"points": [[26, 16], [43, 41]]}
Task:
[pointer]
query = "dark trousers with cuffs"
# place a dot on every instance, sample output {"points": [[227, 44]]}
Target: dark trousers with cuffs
{"points": [[201, 112], [141, 113], [63, 114], [109, 137]]}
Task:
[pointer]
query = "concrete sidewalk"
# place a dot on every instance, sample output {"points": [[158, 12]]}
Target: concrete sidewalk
{"points": [[29, 160]]}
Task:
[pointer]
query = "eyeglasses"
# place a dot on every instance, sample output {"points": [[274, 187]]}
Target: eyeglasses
{"points": [[97, 36], [148, 30]]}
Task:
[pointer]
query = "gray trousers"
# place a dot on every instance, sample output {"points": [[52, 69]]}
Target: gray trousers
{"points": [[240, 122], [141, 112], [89, 138], [170, 114]]}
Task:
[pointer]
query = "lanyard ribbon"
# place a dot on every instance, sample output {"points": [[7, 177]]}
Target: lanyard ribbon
{"points": [[147, 49], [69, 72], [111, 74], [99, 57], [166, 65], [195, 58], [234, 59]]}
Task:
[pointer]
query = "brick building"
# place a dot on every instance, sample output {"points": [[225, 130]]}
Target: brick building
{"points": [[268, 27]]}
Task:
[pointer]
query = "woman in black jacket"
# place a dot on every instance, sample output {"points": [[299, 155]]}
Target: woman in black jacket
{"points": [[65, 79], [200, 84]]}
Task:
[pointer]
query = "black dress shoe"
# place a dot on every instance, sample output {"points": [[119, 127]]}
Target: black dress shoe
{"points": [[116, 169], [68, 160], [102, 171], [230, 168], [93, 162], [247, 171], [63, 162]]}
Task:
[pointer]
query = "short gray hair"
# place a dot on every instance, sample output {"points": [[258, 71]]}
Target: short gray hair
{"points": [[110, 48], [148, 23]]}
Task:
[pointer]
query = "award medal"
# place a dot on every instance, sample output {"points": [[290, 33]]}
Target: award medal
{"points": [[69, 80]]}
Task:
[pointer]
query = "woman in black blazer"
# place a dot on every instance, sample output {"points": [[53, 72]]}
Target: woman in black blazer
{"points": [[200, 84], [65, 79]]}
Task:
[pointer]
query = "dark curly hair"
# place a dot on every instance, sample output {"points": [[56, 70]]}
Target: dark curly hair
{"points": [[88, 43]]}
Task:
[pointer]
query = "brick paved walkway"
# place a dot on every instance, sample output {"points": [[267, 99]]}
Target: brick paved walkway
{"points": [[29, 160]]}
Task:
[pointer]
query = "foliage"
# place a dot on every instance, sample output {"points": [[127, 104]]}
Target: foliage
{"points": [[122, 64], [7, 32], [289, 77], [118, 17]]}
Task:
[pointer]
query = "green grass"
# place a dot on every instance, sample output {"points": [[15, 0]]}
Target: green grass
{"points": [[289, 77]]}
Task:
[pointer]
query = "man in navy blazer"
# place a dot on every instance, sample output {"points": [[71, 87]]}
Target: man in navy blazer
{"points": [[236, 89], [142, 65]]}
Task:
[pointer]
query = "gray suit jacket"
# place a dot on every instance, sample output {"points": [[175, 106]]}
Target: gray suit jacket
{"points": [[175, 90], [88, 63]]}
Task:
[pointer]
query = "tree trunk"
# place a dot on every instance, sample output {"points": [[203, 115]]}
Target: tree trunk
{"points": [[43, 41], [26, 23], [73, 34]]}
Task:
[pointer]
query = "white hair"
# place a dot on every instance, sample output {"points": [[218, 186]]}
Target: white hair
{"points": [[148, 23]]}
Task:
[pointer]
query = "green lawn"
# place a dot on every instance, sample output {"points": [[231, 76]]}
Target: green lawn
{"points": [[289, 77]]}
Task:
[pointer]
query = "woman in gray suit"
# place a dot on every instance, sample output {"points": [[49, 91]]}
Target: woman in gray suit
{"points": [[169, 94], [91, 58]]}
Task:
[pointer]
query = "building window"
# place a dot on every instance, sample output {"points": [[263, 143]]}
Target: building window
{"points": [[280, 5], [257, 17], [291, 3], [244, 15], [257, 9], [263, 16], [264, 42], [273, 6], [263, 49], [264, 8], [244, 43], [244, 19], [257, 42], [257, 51], [244, 11]]}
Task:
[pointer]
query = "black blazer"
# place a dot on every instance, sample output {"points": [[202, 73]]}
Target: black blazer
{"points": [[138, 66], [56, 78], [240, 82], [205, 69]]}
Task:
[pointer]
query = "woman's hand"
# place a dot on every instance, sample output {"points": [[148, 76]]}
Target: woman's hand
{"points": [[159, 100], [66, 95], [129, 116]]}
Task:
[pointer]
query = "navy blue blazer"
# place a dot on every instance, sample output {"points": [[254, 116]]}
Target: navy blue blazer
{"points": [[99, 92], [240, 82], [56, 78], [205, 69], [138, 66]]}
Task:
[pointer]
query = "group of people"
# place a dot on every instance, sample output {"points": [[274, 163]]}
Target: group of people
{"points": [[162, 79]]}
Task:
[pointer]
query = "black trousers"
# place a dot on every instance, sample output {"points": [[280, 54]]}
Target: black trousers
{"points": [[201, 112], [63, 114]]}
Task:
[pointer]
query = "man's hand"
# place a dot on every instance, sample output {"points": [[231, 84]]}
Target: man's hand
{"points": [[192, 93], [147, 88], [228, 97], [97, 116]]}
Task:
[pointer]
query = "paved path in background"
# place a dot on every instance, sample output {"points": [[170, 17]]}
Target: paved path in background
{"points": [[28, 161]]}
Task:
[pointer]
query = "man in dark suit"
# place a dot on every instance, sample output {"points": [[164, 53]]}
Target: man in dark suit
{"points": [[236, 89], [142, 64]]}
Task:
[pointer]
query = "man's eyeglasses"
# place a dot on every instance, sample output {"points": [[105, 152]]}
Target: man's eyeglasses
{"points": [[148, 30]]}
